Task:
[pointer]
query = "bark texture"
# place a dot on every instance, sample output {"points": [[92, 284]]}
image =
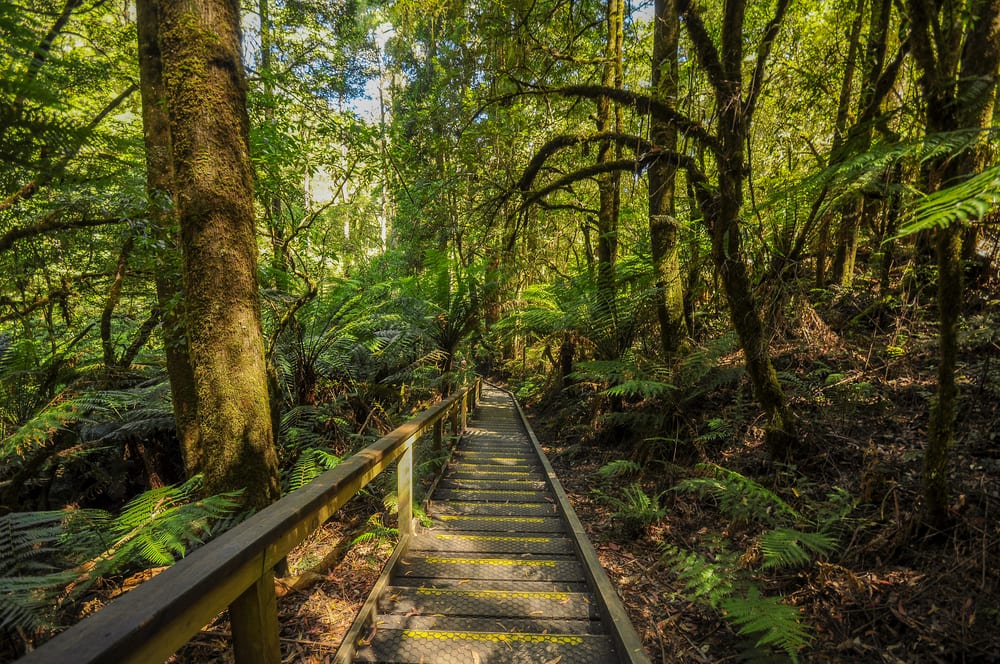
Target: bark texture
{"points": [[206, 100], [162, 212], [663, 229]]}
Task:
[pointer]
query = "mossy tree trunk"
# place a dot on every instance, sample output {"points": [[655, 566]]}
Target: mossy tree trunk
{"points": [[735, 103], [663, 229], [609, 118], [206, 100], [959, 59], [162, 212]]}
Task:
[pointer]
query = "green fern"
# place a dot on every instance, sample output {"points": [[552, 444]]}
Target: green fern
{"points": [[50, 558], [312, 463], [636, 509], [778, 624], [619, 468], [727, 588], [376, 531], [738, 496], [787, 547]]}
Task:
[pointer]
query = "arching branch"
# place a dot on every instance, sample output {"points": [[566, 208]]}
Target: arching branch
{"points": [[639, 102], [561, 142], [763, 52]]}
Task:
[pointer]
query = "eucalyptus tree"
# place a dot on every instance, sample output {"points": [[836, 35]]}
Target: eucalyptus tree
{"points": [[205, 96]]}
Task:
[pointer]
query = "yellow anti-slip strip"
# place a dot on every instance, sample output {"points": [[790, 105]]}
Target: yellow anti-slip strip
{"points": [[493, 637], [505, 519], [473, 503], [494, 594], [491, 561], [492, 538]]}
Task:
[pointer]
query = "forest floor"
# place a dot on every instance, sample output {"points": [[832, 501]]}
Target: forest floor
{"points": [[893, 590]]}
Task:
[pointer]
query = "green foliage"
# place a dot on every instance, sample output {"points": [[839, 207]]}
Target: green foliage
{"points": [[967, 201], [738, 496], [48, 559], [375, 531], [635, 509], [726, 583], [619, 468], [312, 463]]}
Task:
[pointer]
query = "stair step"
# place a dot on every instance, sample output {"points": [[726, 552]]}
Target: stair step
{"points": [[509, 483], [456, 507], [484, 566], [510, 524], [487, 602], [452, 647], [492, 495], [491, 543]]}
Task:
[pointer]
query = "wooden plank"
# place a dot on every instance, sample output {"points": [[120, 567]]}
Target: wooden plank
{"points": [[254, 619]]}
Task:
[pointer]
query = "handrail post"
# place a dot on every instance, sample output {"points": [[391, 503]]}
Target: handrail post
{"points": [[404, 489], [438, 435], [465, 411], [254, 619]]}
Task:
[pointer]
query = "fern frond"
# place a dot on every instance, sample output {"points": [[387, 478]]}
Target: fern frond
{"points": [[619, 468], [778, 624], [738, 496], [967, 201], [787, 547]]}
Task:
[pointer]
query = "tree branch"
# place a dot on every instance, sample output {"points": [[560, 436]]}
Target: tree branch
{"points": [[639, 102], [566, 141], [42, 179], [50, 223], [763, 53], [704, 47]]}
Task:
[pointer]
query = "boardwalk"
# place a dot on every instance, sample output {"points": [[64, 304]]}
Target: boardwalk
{"points": [[499, 576]]}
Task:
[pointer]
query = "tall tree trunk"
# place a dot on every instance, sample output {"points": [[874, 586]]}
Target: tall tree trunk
{"points": [[724, 66], [859, 137], [206, 100], [840, 126], [160, 191], [959, 85], [663, 229], [609, 184]]}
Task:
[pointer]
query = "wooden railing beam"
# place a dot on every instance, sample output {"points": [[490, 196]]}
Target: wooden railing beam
{"points": [[151, 622]]}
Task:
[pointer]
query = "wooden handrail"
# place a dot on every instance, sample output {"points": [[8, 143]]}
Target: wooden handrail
{"points": [[236, 570]]}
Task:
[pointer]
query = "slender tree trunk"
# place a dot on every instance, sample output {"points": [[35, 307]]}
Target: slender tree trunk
{"points": [[206, 100], [722, 215], [840, 126], [609, 184], [859, 137], [160, 190], [663, 228], [959, 80]]}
